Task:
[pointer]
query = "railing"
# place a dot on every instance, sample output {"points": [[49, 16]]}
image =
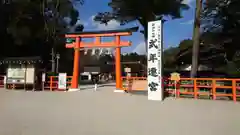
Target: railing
{"points": [[212, 88], [51, 83]]}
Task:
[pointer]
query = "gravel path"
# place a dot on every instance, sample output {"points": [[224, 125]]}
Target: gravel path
{"points": [[106, 113]]}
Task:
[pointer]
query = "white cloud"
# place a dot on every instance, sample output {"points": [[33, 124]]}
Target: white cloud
{"points": [[113, 24], [188, 2], [72, 29], [82, 22], [189, 22], [140, 48], [68, 20]]}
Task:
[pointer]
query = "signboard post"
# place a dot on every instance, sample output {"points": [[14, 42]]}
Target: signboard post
{"points": [[5, 81], [155, 87], [176, 78], [62, 81], [43, 80]]}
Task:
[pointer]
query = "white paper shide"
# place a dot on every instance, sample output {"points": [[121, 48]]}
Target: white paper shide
{"points": [[155, 90]]}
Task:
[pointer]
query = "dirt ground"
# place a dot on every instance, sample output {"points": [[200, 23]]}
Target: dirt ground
{"points": [[107, 113]]}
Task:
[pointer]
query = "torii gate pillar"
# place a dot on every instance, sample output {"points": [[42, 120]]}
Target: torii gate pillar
{"points": [[118, 68], [76, 60]]}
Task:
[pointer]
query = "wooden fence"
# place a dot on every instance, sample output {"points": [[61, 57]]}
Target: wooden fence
{"points": [[212, 88], [51, 83]]}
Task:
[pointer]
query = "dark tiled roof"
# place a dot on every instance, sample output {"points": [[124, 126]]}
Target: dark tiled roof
{"points": [[20, 60]]}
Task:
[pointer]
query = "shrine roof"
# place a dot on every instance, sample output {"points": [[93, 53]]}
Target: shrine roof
{"points": [[133, 29], [125, 62], [23, 58], [20, 60]]}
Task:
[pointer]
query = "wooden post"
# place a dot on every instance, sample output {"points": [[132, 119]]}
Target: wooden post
{"points": [[214, 89], [51, 83], [178, 89], [175, 85], [195, 88], [74, 86], [176, 78], [43, 80], [118, 65], [234, 90], [25, 76], [5, 82]]}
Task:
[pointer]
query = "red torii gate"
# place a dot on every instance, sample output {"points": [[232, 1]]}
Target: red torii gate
{"points": [[117, 43]]}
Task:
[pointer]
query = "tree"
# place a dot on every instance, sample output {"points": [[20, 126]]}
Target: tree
{"points": [[225, 25], [221, 19], [184, 44], [196, 38], [44, 16], [175, 56], [34, 27], [208, 55], [169, 57], [143, 11]]}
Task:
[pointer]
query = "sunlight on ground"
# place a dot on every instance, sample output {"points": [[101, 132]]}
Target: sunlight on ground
{"points": [[107, 113]]}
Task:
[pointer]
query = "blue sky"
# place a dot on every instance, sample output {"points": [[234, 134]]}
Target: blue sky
{"points": [[174, 30]]}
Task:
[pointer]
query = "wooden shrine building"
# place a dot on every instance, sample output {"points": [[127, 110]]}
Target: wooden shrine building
{"points": [[21, 71]]}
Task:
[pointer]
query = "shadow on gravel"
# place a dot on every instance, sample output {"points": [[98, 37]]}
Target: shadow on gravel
{"points": [[91, 86], [144, 93], [91, 83]]}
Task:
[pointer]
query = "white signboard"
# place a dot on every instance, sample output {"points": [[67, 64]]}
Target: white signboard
{"points": [[30, 75], [18, 73], [127, 70], [43, 77], [15, 75], [62, 81], [5, 80], [155, 89]]}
